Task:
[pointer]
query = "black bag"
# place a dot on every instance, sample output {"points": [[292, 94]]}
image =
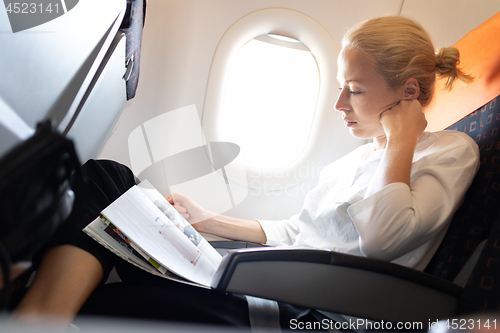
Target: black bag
{"points": [[35, 190]]}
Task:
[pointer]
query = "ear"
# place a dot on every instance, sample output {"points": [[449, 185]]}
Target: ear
{"points": [[411, 89]]}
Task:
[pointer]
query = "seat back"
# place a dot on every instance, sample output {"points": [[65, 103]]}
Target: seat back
{"points": [[482, 294], [474, 220]]}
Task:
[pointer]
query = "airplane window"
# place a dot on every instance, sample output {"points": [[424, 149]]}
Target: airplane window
{"points": [[270, 100], [272, 91]]}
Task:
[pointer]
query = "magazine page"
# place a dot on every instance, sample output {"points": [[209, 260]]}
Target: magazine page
{"points": [[100, 231], [103, 234], [114, 232], [150, 229], [180, 222]]}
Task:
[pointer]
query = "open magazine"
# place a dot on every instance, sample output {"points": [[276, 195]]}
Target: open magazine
{"points": [[143, 228]]}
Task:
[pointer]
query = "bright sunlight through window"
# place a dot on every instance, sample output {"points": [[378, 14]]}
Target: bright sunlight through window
{"points": [[270, 101]]}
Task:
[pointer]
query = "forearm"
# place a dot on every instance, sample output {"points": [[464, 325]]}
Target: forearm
{"points": [[395, 165], [233, 228]]}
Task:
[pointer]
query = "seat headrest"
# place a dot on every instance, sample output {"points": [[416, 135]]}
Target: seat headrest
{"points": [[479, 57]]}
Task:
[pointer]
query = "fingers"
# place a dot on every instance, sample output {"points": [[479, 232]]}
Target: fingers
{"points": [[177, 200], [180, 209], [390, 106], [169, 199], [402, 105], [404, 118]]}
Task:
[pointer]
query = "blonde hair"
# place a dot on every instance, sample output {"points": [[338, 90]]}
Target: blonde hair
{"points": [[402, 49]]}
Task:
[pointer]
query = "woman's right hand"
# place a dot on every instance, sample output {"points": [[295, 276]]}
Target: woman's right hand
{"points": [[405, 119], [189, 209], [403, 124]]}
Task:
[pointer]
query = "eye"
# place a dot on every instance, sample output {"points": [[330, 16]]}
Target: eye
{"points": [[352, 92]]}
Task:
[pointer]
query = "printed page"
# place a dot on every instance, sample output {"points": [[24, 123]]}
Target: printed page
{"points": [[180, 222], [98, 231], [150, 229], [119, 236]]}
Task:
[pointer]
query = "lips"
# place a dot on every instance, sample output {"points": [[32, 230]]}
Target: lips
{"points": [[349, 123]]}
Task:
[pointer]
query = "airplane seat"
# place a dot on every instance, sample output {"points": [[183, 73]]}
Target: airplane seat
{"points": [[474, 220], [479, 212], [379, 290], [480, 293], [478, 219], [91, 102], [112, 87]]}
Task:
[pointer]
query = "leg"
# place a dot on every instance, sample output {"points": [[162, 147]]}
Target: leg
{"points": [[155, 298], [61, 286], [72, 265]]}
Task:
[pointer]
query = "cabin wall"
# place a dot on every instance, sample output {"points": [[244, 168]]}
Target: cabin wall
{"points": [[181, 36]]}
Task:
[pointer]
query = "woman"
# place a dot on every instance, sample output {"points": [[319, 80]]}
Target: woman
{"points": [[391, 199]]}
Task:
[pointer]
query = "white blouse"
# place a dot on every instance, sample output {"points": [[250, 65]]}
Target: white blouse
{"points": [[398, 223]]}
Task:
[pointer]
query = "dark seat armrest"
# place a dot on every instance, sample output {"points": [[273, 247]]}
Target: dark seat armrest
{"points": [[223, 247], [230, 245], [341, 283]]}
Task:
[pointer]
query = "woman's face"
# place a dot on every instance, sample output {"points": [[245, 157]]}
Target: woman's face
{"points": [[364, 94]]}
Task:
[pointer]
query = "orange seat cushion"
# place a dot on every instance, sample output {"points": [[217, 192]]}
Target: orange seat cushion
{"points": [[479, 57]]}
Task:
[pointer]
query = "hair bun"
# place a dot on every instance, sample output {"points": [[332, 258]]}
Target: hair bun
{"points": [[447, 60]]}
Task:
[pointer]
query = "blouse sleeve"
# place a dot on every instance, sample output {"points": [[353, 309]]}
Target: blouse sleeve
{"points": [[282, 232], [398, 219]]}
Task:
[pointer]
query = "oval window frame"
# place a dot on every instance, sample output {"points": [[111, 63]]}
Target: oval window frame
{"points": [[308, 31]]}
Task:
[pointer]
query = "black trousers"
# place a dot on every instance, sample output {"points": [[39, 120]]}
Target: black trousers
{"points": [[140, 294]]}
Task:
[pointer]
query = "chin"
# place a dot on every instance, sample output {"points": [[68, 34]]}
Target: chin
{"points": [[358, 135]]}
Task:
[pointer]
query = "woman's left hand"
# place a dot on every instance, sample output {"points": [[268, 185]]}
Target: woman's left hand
{"points": [[189, 209], [406, 118]]}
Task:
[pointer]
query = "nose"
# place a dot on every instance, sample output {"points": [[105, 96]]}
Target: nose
{"points": [[342, 103]]}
